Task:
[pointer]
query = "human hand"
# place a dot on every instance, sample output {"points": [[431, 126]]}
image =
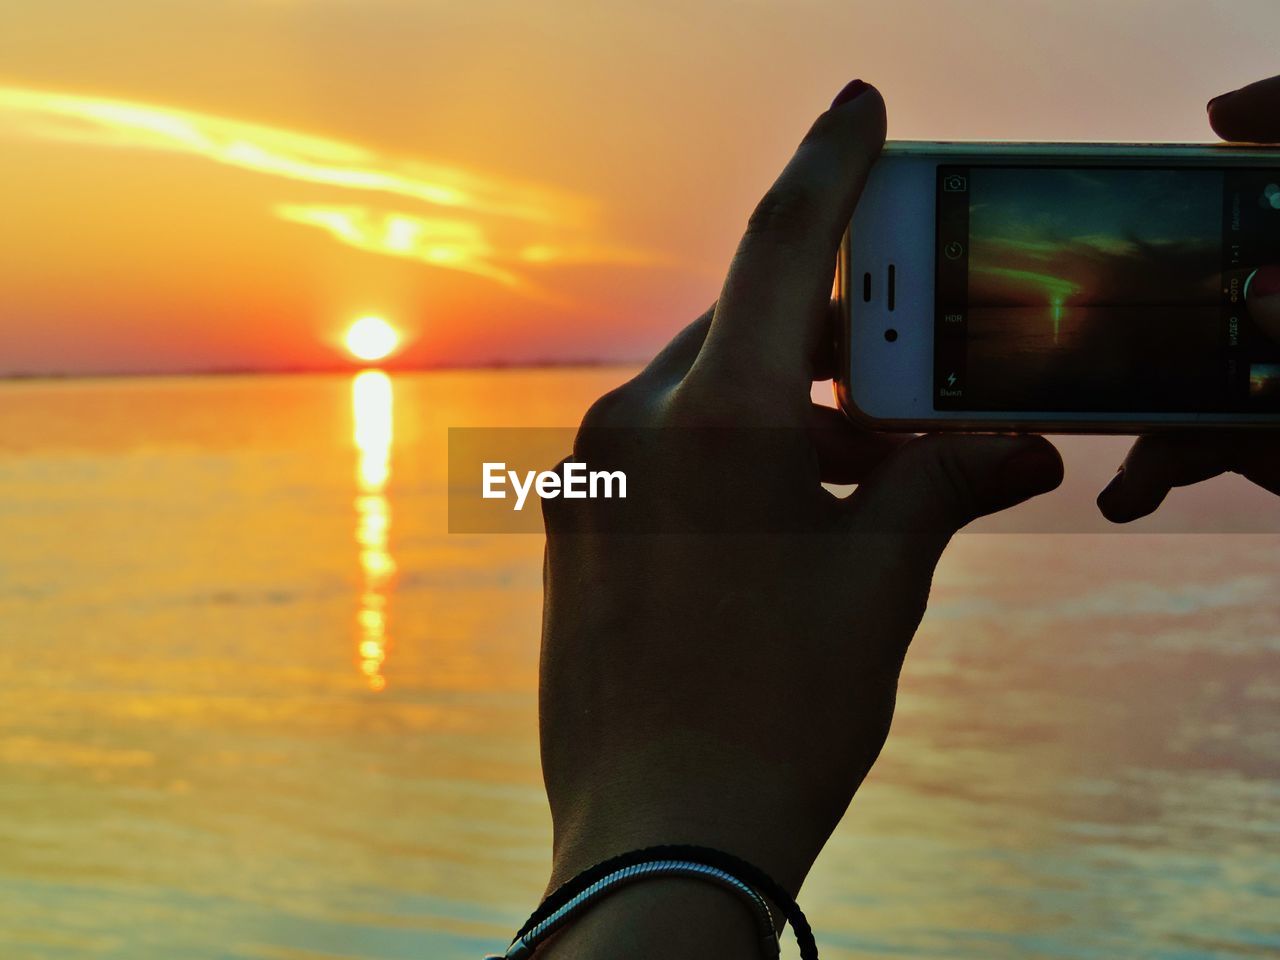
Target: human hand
{"points": [[729, 679], [1156, 463]]}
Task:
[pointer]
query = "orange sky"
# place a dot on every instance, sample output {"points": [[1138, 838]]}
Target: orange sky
{"points": [[227, 185]]}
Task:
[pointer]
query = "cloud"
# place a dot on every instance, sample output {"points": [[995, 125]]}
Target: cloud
{"points": [[442, 242], [120, 124], [538, 226], [573, 254]]}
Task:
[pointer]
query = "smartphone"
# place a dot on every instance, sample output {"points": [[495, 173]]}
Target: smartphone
{"points": [[1089, 288]]}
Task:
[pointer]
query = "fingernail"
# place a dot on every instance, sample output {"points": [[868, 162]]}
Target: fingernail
{"points": [[1265, 283], [1220, 97], [852, 90]]}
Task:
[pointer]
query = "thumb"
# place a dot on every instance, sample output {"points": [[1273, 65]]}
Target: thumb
{"points": [[935, 484]]}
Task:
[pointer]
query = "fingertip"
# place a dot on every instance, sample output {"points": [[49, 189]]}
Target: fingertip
{"points": [[862, 100], [1247, 115], [1211, 110], [851, 91], [857, 89], [1121, 501], [1050, 462], [1222, 128], [1032, 470], [875, 101], [1218, 99], [1108, 497], [1111, 515]]}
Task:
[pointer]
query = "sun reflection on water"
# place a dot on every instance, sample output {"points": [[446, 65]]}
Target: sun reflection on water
{"points": [[372, 405]]}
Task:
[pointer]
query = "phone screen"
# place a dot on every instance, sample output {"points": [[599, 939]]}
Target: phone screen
{"points": [[1105, 289]]}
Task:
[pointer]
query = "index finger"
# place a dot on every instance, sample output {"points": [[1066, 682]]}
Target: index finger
{"points": [[1158, 463]]}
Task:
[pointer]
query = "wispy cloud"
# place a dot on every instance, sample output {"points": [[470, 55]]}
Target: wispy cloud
{"points": [[440, 241], [537, 226], [99, 121]]}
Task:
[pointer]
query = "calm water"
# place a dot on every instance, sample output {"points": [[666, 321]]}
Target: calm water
{"points": [[257, 704], [1096, 357]]}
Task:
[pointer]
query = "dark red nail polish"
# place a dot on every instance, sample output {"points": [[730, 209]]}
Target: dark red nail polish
{"points": [[1220, 97], [1266, 282], [852, 90]]}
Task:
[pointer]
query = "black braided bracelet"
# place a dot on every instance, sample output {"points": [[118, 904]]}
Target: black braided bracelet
{"points": [[707, 856]]}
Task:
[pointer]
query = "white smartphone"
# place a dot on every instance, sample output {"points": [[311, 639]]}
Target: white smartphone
{"points": [[1099, 288]]}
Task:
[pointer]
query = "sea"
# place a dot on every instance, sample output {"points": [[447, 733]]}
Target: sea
{"points": [[257, 702]]}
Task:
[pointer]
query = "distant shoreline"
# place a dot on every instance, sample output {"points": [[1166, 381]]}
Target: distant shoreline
{"points": [[314, 371]]}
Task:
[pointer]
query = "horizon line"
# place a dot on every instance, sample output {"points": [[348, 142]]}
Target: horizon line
{"points": [[22, 376]]}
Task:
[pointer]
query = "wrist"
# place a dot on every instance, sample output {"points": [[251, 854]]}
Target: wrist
{"points": [[783, 856], [787, 865], [667, 917], [730, 807]]}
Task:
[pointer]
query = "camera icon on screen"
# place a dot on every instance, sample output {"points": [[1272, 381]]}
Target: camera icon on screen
{"points": [[953, 183]]}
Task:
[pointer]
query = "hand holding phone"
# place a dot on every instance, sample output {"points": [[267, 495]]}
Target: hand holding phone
{"points": [[1158, 463], [732, 689]]}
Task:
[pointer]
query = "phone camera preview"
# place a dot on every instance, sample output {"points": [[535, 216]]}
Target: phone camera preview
{"points": [[1262, 301]]}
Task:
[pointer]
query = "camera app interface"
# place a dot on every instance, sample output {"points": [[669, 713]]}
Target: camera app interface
{"points": [[1107, 289]]}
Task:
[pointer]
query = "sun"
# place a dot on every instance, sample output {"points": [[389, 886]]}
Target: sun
{"points": [[372, 338]]}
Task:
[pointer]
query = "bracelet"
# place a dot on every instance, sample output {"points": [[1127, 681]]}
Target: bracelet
{"points": [[575, 896]]}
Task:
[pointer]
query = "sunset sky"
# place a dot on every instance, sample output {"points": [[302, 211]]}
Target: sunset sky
{"points": [[228, 185]]}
